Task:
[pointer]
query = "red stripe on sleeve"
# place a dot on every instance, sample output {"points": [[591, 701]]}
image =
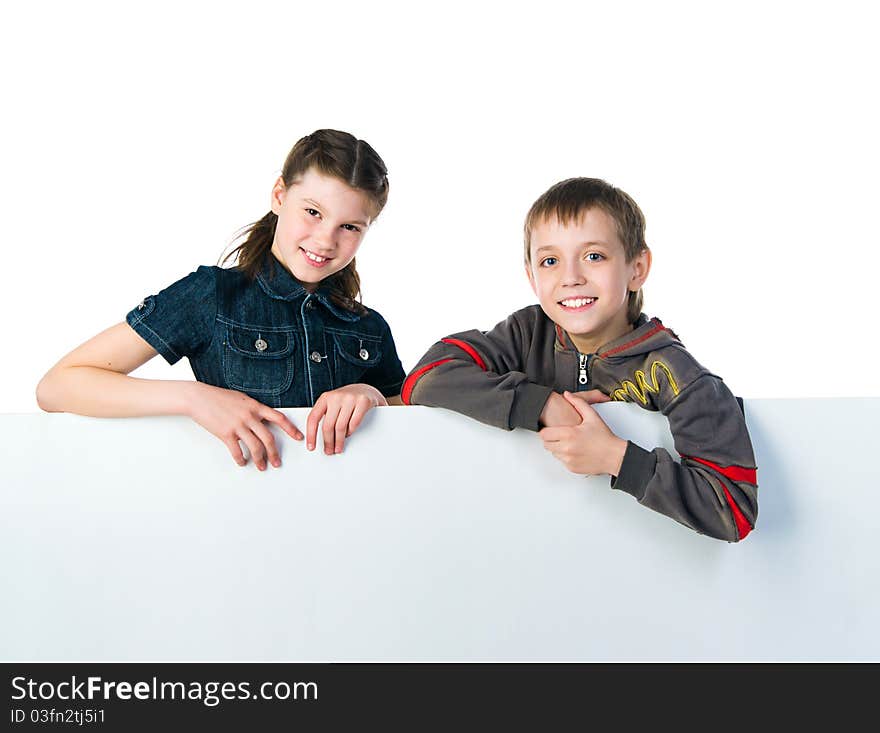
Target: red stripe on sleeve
{"points": [[742, 524], [734, 473], [411, 380], [469, 349]]}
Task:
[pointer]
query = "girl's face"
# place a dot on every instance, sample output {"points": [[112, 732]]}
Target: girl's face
{"points": [[321, 222]]}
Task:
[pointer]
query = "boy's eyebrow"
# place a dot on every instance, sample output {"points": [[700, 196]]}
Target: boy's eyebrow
{"points": [[591, 243], [319, 206]]}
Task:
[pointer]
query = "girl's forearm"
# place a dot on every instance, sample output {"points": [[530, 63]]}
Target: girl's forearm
{"points": [[96, 392]]}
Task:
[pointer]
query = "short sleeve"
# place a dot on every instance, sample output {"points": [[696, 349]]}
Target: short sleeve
{"points": [[387, 376], [179, 320]]}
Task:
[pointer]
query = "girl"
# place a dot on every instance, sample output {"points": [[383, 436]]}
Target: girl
{"points": [[282, 328]]}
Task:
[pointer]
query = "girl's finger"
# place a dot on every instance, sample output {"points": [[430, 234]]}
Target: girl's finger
{"points": [[254, 446], [268, 440], [317, 412], [328, 429], [235, 450], [282, 421], [357, 416], [342, 426]]}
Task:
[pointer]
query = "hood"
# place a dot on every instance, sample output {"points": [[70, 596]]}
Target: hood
{"points": [[649, 334]]}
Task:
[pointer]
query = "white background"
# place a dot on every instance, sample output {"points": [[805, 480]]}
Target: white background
{"points": [[137, 140]]}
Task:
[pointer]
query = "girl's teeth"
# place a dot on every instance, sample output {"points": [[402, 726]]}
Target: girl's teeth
{"points": [[315, 257], [577, 302]]}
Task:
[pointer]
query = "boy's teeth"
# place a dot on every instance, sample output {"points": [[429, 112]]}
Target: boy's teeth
{"points": [[576, 302]]}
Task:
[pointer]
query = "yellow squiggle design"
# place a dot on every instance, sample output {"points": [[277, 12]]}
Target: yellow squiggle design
{"points": [[641, 387]]}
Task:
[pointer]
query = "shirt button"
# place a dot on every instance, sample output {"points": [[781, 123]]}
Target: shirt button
{"points": [[315, 356], [260, 345], [364, 354], [310, 305]]}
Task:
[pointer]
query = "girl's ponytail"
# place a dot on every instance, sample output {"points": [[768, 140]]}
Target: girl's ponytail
{"points": [[332, 153]]}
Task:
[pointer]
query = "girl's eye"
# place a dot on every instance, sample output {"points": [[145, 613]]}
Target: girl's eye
{"points": [[548, 262], [594, 257], [351, 227], [312, 212]]}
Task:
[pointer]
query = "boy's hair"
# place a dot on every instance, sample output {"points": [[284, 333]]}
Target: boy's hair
{"points": [[567, 201], [333, 153]]}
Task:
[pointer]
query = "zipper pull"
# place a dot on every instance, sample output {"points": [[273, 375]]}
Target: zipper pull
{"points": [[582, 369]]}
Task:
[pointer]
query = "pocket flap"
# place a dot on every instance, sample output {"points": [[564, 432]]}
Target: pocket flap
{"points": [[360, 350], [260, 344]]}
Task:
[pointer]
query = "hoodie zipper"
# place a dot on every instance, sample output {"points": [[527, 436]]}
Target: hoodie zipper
{"points": [[583, 365]]}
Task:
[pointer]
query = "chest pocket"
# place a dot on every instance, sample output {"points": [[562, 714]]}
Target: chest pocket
{"points": [[353, 355], [260, 362]]}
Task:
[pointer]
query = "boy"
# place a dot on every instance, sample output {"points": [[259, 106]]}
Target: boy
{"points": [[588, 341]]}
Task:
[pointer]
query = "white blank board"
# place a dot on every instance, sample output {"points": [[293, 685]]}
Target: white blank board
{"points": [[432, 537]]}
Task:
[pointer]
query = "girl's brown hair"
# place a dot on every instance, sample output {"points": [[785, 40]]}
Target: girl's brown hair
{"points": [[332, 153]]}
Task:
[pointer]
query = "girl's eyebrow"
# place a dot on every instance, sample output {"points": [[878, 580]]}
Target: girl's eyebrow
{"points": [[318, 206]]}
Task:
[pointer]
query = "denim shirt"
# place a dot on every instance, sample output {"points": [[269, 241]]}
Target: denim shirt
{"points": [[269, 337]]}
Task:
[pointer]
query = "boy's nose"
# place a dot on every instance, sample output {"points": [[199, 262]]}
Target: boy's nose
{"points": [[574, 275]]}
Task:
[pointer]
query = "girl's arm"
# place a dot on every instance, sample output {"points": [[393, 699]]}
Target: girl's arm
{"points": [[93, 380]]}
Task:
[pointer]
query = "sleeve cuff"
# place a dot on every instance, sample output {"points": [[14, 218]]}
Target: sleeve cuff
{"points": [[528, 402], [135, 319], [635, 471]]}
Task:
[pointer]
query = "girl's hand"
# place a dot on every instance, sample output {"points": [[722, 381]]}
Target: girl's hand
{"points": [[342, 410], [233, 416]]}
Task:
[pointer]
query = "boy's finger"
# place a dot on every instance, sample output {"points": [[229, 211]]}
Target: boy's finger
{"points": [[551, 435], [317, 412], [582, 406], [591, 396]]}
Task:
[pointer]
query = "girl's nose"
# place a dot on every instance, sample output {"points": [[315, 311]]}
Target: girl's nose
{"points": [[323, 235]]}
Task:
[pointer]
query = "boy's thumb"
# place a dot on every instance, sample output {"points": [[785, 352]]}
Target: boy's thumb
{"points": [[580, 405]]}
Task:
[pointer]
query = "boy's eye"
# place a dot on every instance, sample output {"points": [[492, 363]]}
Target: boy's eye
{"points": [[594, 257], [313, 212], [351, 227], [548, 262]]}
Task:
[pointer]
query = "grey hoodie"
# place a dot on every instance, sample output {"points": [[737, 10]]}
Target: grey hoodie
{"points": [[504, 377]]}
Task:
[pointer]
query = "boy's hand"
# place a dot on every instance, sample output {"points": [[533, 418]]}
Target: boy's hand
{"points": [[559, 412], [589, 448], [342, 410]]}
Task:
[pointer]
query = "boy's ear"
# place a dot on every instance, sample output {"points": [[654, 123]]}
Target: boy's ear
{"points": [[641, 266], [279, 193], [531, 278]]}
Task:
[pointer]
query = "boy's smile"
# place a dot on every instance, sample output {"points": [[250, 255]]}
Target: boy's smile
{"points": [[582, 279]]}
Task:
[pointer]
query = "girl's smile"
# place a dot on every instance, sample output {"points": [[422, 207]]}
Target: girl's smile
{"points": [[313, 259], [321, 223]]}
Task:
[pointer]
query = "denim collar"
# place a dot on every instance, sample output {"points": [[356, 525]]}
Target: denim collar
{"points": [[277, 282]]}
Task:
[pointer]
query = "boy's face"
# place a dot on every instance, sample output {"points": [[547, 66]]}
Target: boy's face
{"points": [[582, 279]]}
